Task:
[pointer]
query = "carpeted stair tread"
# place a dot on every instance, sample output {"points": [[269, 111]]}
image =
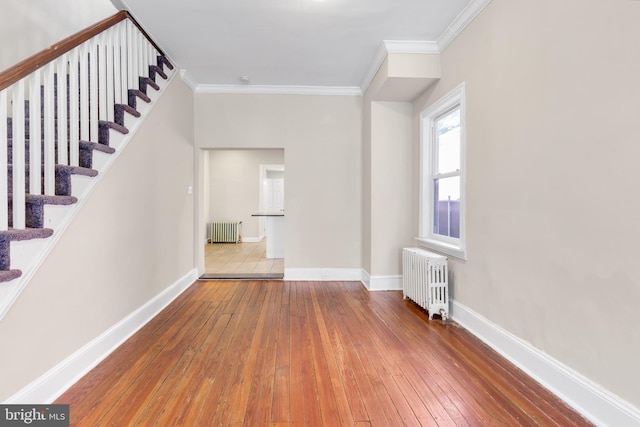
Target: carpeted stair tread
{"points": [[140, 94], [50, 200], [164, 60], [74, 170], [156, 70], [120, 109], [97, 147], [8, 275], [34, 208], [134, 94], [103, 130], [86, 152], [11, 235], [79, 170], [63, 177], [25, 234], [144, 82], [115, 126], [8, 236]]}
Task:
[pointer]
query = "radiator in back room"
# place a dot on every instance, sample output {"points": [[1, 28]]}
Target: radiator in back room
{"points": [[224, 231], [425, 281]]}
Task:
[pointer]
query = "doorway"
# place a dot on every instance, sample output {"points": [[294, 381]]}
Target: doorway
{"points": [[239, 183]]}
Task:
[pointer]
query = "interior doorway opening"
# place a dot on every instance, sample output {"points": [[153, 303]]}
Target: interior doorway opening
{"points": [[239, 186]]}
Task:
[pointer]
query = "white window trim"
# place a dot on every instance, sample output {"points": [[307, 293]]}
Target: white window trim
{"points": [[450, 246]]}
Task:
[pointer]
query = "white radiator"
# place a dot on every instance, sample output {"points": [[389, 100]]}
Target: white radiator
{"points": [[425, 281], [224, 231]]}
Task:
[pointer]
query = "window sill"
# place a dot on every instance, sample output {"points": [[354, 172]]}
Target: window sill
{"points": [[446, 248]]}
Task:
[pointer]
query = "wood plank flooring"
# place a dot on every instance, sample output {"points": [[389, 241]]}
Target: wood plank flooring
{"points": [[241, 258], [275, 353]]}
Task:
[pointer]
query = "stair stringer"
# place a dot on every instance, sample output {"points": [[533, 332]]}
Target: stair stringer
{"points": [[28, 255]]}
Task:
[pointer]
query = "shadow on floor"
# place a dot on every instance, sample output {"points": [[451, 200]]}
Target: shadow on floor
{"points": [[242, 276]]}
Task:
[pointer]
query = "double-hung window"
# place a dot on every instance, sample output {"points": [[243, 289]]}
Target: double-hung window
{"points": [[442, 177]]}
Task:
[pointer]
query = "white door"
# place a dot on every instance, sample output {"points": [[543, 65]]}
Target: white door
{"points": [[272, 188], [273, 194], [271, 191]]}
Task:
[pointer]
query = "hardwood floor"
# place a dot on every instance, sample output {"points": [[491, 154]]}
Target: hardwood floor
{"points": [[241, 258], [275, 353]]}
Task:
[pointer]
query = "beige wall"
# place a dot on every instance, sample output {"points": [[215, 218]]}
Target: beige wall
{"points": [[234, 180], [366, 185], [552, 153], [391, 189], [130, 241], [321, 140], [41, 23], [388, 151]]}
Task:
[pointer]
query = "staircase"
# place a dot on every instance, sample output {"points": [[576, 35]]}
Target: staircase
{"points": [[59, 117]]}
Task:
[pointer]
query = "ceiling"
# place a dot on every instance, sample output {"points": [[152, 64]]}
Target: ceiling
{"points": [[294, 43]]}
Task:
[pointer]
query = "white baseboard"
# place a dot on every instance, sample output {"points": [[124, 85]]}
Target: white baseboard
{"points": [[366, 279], [324, 274], [372, 283], [252, 239], [595, 403], [57, 380], [385, 283]]}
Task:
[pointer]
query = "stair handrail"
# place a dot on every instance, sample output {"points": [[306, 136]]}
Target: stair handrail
{"points": [[38, 60]]}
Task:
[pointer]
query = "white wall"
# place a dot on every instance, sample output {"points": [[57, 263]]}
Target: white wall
{"points": [[322, 144], [130, 241], [42, 23], [234, 181], [552, 153]]}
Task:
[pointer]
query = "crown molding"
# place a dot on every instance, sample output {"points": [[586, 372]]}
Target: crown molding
{"points": [[460, 22], [463, 19], [381, 54], [280, 90]]}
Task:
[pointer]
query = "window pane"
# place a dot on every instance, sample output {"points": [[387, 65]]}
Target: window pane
{"points": [[446, 209], [448, 142]]}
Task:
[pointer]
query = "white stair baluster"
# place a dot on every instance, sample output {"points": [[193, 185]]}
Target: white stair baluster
{"points": [[109, 74], [18, 156], [63, 151], [117, 66], [4, 200], [124, 60], [49, 131], [84, 93], [130, 57], [136, 57], [74, 99], [93, 90], [101, 56], [35, 133]]}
